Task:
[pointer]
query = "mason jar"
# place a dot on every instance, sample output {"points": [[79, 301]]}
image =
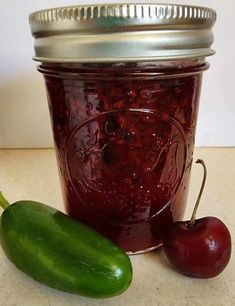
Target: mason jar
{"points": [[123, 84]]}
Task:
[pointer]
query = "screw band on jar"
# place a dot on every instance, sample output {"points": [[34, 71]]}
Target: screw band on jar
{"points": [[122, 32]]}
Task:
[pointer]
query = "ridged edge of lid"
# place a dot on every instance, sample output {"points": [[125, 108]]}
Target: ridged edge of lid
{"points": [[155, 11]]}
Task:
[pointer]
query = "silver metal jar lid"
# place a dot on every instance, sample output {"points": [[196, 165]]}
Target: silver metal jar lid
{"points": [[122, 32]]}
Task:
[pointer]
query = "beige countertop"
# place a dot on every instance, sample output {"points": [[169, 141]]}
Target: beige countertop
{"points": [[32, 174]]}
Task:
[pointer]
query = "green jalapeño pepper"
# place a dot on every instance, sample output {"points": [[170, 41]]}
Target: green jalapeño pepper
{"points": [[61, 252]]}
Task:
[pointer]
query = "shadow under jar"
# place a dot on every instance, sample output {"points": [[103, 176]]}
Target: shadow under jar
{"points": [[123, 118]]}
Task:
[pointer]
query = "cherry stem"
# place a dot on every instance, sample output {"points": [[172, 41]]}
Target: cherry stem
{"points": [[192, 220]]}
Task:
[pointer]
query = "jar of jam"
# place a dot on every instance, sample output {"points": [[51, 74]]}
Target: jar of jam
{"points": [[123, 84]]}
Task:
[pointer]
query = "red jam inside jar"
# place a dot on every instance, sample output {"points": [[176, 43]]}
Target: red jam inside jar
{"points": [[124, 136]]}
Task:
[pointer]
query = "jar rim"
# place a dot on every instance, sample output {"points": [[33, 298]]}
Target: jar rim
{"points": [[138, 70]]}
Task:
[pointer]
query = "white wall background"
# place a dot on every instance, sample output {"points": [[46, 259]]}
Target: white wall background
{"points": [[24, 119]]}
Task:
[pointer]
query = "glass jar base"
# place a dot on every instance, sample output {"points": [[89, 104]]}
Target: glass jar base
{"points": [[145, 250]]}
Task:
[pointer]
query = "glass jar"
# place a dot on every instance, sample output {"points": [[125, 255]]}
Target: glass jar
{"points": [[123, 123]]}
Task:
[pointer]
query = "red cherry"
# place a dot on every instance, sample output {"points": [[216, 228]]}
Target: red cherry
{"points": [[198, 248], [202, 250]]}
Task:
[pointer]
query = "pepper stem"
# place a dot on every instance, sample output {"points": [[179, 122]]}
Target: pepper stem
{"points": [[3, 202], [192, 220]]}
